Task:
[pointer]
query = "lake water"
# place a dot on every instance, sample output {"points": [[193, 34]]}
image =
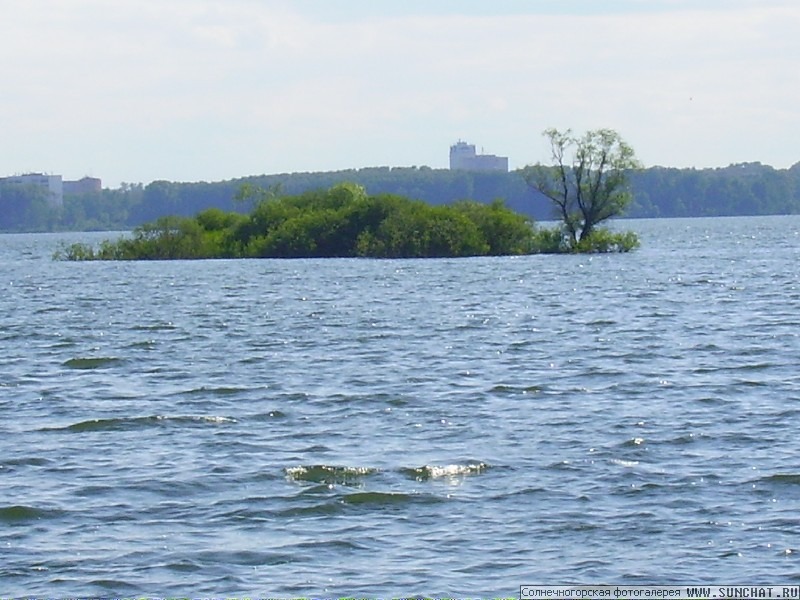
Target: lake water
{"points": [[395, 428]]}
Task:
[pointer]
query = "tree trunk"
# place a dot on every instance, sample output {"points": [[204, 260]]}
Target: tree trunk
{"points": [[588, 227]]}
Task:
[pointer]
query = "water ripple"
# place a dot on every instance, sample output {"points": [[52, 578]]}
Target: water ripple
{"points": [[397, 428]]}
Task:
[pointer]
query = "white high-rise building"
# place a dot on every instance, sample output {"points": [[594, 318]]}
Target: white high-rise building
{"points": [[464, 158], [51, 183]]}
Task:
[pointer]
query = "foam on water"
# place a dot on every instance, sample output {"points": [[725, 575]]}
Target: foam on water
{"points": [[330, 474], [445, 471]]}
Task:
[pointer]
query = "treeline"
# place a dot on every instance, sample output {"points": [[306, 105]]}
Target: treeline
{"points": [[742, 189], [737, 190], [343, 221]]}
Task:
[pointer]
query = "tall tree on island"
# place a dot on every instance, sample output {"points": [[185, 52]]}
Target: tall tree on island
{"points": [[587, 181]]}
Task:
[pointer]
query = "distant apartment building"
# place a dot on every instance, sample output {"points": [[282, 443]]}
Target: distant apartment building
{"points": [[55, 187], [464, 158], [52, 184], [86, 185]]}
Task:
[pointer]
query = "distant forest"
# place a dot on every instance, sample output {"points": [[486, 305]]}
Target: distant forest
{"points": [[739, 189]]}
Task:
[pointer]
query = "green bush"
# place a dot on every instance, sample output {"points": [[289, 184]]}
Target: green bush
{"points": [[505, 231], [77, 251], [556, 241], [602, 241], [549, 241]]}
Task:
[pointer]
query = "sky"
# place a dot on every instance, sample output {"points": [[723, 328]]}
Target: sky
{"points": [[206, 90]]}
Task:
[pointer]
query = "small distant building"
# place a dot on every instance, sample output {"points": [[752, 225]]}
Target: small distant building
{"points": [[52, 184], [55, 187], [86, 185], [464, 158]]}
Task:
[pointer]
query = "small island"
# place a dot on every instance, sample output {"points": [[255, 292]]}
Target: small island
{"points": [[343, 221]]}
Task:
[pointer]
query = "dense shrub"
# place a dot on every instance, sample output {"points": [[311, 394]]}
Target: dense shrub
{"points": [[556, 241]]}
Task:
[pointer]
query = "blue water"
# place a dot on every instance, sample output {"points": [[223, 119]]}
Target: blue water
{"points": [[397, 428]]}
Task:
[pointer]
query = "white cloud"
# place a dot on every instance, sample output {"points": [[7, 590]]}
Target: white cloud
{"points": [[192, 89]]}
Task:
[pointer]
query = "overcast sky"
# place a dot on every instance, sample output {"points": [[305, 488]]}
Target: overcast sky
{"points": [[191, 90]]}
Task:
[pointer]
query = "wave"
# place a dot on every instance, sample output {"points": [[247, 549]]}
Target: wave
{"points": [[273, 414], [633, 442], [127, 423], [510, 390], [215, 391], [781, 479], [19, 512], [95, 362], [322, 509], [142, 344], [345, 475], [26, 461], [448, 471], [624, 463], [155, 327], [387, 498], [329, 474], [113, 584]]}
